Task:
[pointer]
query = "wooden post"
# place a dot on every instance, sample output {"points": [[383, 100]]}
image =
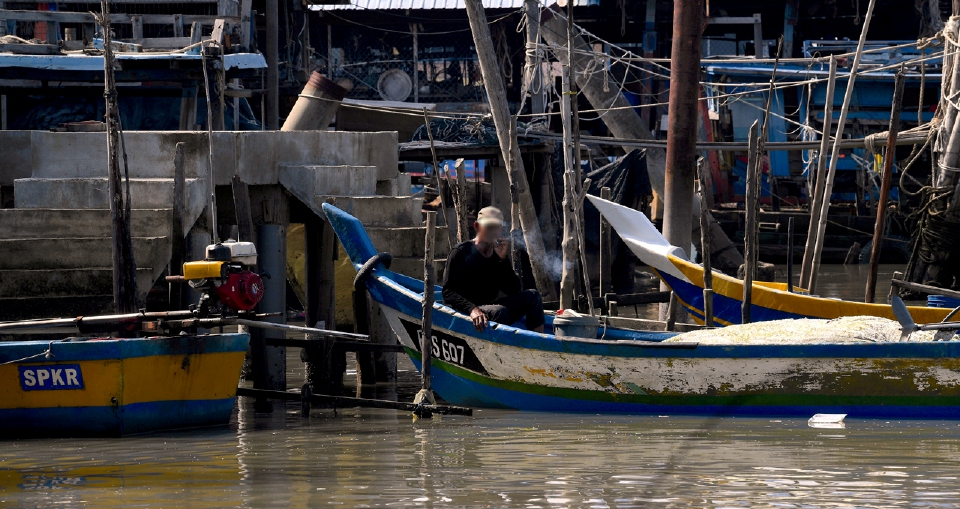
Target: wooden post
{"points": [[751, 202], [533, 76], [241, 204], [790, 254], [416, 64], [330, 68], [500, 109], [514, 203], [463, 222], [820, 179], [606, 255], [272, 121], [681, 155], [429, 279], [137, 27], [888, 159], [705, 241], [178, 246], [622, 120], [835, 152], [581, 242], [569, 240], [124, 265], [188, 106], [313, 261]]}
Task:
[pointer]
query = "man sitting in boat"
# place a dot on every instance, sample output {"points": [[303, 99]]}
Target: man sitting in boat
{"points": [[479, 280]]}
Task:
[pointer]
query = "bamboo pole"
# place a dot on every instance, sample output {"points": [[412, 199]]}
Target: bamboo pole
{"points": [[606, 254], [124, 265], [885, 186], [835, 153], [821, 177], [705, 244], [500, 109], [436, 171], [751, 203]]}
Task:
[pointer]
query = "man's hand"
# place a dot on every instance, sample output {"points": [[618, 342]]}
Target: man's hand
{"points": [[502, 247], [479, 319]]}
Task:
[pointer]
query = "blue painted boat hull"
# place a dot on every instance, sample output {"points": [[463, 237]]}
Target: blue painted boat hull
{"points": [[115, 387], [621, 371]]}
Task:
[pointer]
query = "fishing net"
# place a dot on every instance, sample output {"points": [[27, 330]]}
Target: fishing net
{"points": [[459, 130], [809, 331]]}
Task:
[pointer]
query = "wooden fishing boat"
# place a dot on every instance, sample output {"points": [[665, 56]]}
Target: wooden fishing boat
{"points": [[629, 371], [771, 301], [113, 387]]}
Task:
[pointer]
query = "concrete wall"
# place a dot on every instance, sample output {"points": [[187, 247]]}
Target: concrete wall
{"points": [[254, 155]]}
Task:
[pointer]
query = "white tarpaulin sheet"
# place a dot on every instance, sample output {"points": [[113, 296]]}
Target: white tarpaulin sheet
{"points": [[641, 236]]}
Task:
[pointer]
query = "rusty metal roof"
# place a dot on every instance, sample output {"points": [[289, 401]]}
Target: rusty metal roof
{"points": [[428, 4]]}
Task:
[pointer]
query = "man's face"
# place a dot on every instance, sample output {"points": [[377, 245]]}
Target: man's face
{"points": [[489, 233]]}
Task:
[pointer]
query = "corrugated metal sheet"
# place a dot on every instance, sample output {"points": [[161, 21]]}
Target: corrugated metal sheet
{"points": [[378, 5]]}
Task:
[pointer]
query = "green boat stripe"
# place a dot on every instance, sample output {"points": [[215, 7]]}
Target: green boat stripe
{"points": [[771, 399]]}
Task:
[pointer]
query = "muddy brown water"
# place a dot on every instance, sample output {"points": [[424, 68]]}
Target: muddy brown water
{"points": [[377, 458]]}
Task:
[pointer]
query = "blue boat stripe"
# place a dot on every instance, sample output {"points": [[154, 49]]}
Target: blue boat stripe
{"points": [[109, 421], [121, 348]]}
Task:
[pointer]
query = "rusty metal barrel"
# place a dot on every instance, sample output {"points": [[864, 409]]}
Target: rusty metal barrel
{"points": [[317, 105]]}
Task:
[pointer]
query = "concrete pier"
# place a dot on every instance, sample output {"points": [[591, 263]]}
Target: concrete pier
{"points": [[59, 226]]}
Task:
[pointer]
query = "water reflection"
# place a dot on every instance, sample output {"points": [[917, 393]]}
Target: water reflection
{"points": [[374, 458], [496, 459]]}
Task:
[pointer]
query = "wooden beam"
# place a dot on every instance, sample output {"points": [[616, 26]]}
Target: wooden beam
{"points": [[30, 49], [925, 289], [115, 18]]}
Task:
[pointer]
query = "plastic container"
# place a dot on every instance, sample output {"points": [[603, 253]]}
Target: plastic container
{"points": [[575, 325], [942, 301]]}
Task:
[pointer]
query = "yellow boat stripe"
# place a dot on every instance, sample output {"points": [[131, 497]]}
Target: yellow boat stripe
{"points": [[133, 380], [101, 379], [800, 304], [181, 377]]}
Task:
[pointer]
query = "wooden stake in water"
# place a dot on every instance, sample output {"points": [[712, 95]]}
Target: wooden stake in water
{"points": [[790, 254], [820, 179], [606, 255], [124, 265], [705, 246], [835, 153], [426, 340], [751, 203], [885, 184]]}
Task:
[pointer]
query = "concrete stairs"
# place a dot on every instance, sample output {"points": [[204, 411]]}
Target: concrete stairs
{"points": [[392, 217], [57, 243]]}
